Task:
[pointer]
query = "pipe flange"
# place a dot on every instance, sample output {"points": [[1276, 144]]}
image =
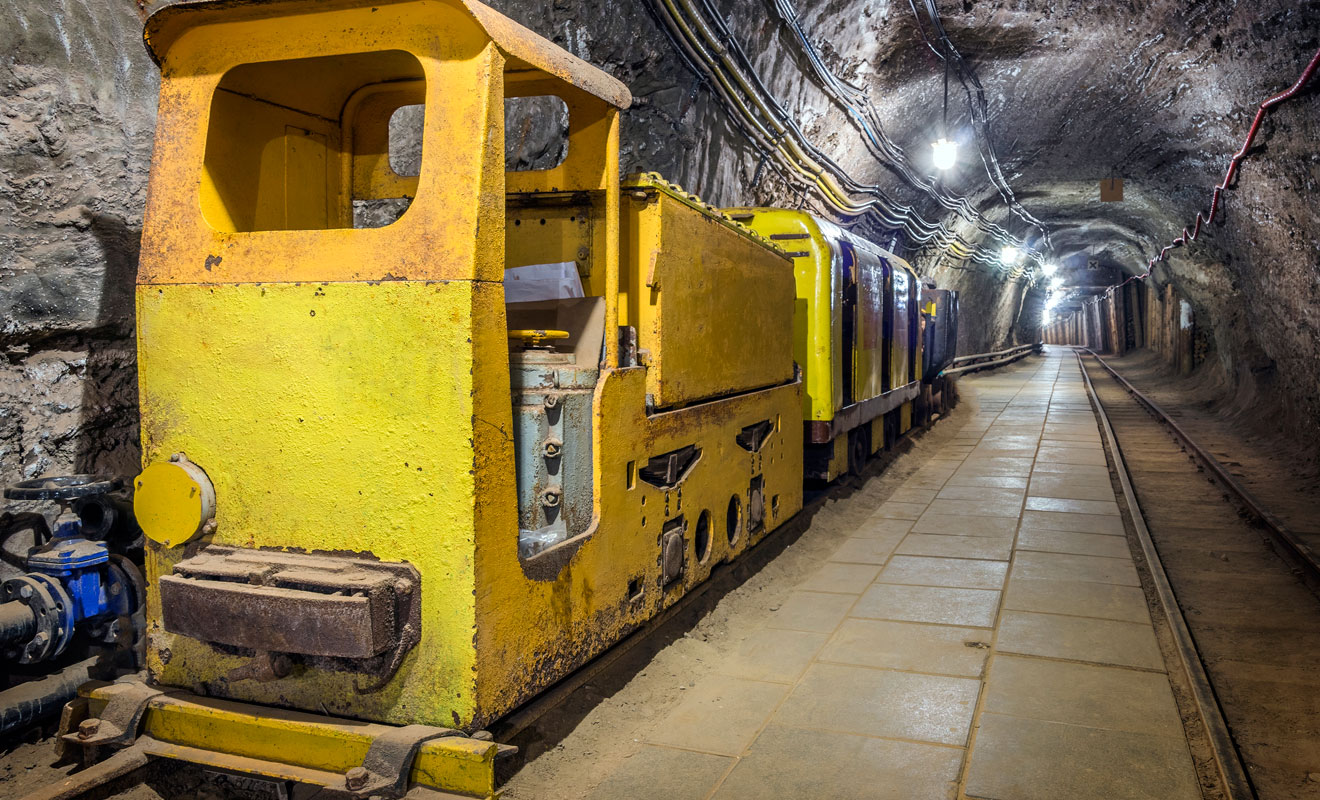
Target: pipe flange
{"points": [[52, 610]]}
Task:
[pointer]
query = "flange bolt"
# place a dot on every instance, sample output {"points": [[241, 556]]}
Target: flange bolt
{"points": [[356, 778]]}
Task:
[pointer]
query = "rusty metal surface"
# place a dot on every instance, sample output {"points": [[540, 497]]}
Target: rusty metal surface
{"points": [[336, 607], [279, 620], [117, 724], [389, 760]]}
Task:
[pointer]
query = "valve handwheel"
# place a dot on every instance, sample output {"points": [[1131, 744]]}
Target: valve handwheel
{"points": [[62, 487]]}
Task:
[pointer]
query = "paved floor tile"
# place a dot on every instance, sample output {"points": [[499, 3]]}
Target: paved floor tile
{"points": [[1077, 599], [875, 527], [1022, 759], [960, 525], [929, 482], [996, 466], [1072, 506], [1096, 473], [956, 572], [905, 494], [812, 611], [1090, 544], [934, 544], [1061, 484], [662, 773], [774, 655], [893, 510], [721, 714], [980, 494], [938, 649], [993, 481], [840, 578], [1081, 694], [792, 763], [1071, 455], [868, 550], [1078, 523], [1004, 507], [1100, 641], [936, 604], [1072, 567], [875, 702]]}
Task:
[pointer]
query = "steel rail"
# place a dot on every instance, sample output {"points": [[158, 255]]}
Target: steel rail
{"points": [[1299, 549], [1228, 762]]}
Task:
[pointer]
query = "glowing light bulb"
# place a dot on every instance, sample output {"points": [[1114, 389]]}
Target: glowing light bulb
{"points": [[946, 153], [1010, 256], [1056, 284], [1049, 269]]}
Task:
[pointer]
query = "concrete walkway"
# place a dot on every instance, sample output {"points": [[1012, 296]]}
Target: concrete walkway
{"points": [[983, 635]]}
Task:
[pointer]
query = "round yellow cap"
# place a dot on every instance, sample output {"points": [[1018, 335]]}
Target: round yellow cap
{"points": [[173, 500]]}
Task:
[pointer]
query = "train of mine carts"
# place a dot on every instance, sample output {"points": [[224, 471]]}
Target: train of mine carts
{"points": [[424, 435]]}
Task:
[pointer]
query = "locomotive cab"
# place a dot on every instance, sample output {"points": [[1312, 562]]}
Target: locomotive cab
{"points": [[423, 433]]}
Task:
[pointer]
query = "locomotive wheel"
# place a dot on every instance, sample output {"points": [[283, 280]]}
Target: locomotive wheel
{"points": [[858, 451]]}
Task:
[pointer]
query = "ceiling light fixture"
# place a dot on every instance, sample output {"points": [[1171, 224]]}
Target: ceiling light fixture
{"points": [[946, 153], [1049, 269], [1010, 256]]}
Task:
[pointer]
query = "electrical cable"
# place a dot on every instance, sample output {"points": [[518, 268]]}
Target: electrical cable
{"points": [[1234, 162], [862, 113], [706, 43], [978, 107]]}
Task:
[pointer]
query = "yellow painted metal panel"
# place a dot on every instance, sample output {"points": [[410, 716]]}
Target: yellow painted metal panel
{"points": [[218, 733], [817, 329], [712, 305], [539, 619], [333, 418], [839, 457], [460, 196]]}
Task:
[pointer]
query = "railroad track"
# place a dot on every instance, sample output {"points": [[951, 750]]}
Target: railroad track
{"points": [[1236, 592]]}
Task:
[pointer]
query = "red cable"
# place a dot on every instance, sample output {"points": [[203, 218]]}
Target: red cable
{"points": [[1232, 167]]}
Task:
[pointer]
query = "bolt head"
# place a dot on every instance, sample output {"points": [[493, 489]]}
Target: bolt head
{"points": [[356, 777], [40, 639], [25, 592], [88, 728]]}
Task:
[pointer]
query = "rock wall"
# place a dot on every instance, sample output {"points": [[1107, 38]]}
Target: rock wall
{"points": [[1158, 92], [77, 110]]}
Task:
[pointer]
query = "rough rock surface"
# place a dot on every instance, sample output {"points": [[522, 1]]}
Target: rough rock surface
{"points": [[1157, 92]]}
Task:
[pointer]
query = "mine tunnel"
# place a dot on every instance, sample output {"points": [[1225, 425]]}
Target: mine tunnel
{"points": [[660, 399]]}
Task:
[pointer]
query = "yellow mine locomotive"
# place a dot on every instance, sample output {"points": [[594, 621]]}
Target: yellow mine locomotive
{"points": [[410, 470]]}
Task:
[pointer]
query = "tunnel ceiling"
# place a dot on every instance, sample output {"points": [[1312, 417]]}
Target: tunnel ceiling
{"points": [[1157, 93]]}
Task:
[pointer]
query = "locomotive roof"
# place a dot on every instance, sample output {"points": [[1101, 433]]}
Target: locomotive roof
{"points": [[523, 48]]}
